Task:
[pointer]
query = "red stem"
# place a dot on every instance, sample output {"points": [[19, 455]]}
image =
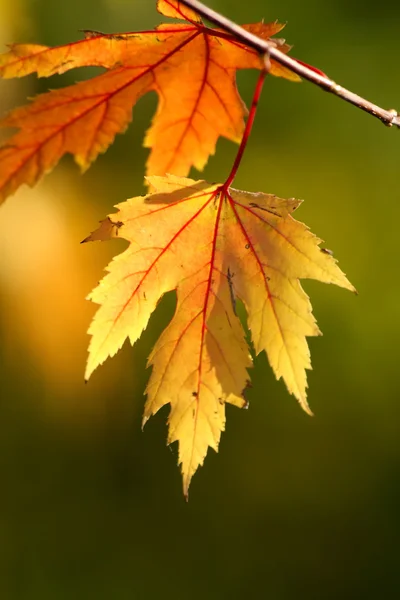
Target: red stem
{"points": [[247, 129]]}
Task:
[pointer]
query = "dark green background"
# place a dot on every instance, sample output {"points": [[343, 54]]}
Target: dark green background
{"points": [[292, 507]]}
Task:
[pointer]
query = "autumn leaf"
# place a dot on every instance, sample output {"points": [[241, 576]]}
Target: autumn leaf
{"points": [[191, 67], [213, 245]]}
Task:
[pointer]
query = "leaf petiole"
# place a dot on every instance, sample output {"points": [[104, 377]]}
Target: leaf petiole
{"points": [[249, 123]]}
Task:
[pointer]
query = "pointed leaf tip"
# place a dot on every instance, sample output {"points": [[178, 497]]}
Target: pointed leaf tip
{"points": [[108, 229]]}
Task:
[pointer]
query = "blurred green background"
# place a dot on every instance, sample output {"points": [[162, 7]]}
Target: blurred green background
{"points": [[292, 507]]}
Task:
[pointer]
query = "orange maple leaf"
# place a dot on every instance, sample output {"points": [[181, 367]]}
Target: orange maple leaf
{"points": [[190, 66], [212, 245]]}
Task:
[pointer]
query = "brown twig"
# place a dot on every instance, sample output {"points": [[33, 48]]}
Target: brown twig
{"points": [[388, 117]]}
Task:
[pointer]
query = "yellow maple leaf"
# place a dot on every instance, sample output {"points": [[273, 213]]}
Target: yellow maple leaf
{"points": [[212, 245]]}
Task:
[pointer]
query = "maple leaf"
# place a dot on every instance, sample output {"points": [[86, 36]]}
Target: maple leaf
{"points": [[191, 67], [212, 244]]}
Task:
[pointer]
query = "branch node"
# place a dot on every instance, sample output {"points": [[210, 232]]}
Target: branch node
{"points": [[394, 120], [267, 62]]}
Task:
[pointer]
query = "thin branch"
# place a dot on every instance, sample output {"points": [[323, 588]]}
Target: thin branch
{"points": [[388, 117]]}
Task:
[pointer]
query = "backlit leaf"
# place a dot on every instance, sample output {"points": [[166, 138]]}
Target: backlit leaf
{"points": [[212, 246], [191, 67]]}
